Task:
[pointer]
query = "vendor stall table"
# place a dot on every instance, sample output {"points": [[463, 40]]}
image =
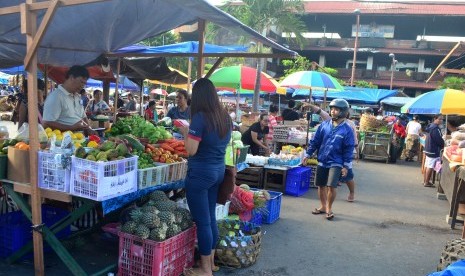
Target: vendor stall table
{"points": [[15, 189], [453, 185], [376, 145]]}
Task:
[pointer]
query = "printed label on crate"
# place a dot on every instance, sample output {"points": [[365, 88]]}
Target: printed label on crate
{"points": [[119, 184]]}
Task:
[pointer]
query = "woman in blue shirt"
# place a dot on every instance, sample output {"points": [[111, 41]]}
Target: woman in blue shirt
{"points": [[206, 139]]}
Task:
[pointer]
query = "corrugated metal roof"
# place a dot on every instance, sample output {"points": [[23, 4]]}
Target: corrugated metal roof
{"points": [[414, 8]]}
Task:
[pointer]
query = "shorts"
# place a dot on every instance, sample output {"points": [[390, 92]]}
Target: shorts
{"points": [[430, 162], [348, 177], [327, 176]]}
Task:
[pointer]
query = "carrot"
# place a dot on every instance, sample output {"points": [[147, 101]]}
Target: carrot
{"points": [[180, 148], [177, 144], [151, 147], [166, 146]]}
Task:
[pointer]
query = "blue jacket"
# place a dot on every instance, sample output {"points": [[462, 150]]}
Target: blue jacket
{"points": [[434, 142], [335, 145]]}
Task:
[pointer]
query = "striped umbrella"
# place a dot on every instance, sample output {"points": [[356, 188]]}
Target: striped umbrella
{"points": [[445, 101], [305, 81], [241, 79]]}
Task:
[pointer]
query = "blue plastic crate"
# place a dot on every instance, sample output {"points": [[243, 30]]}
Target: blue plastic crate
{"points": [[15, 229], [298, 181], [255, 220], [273, 207]]}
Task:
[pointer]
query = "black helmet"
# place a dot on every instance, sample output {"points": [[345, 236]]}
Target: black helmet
{"points": [[342, 105]]}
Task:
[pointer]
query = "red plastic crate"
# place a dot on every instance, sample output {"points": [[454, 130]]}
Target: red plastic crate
{"points": [[139, 257]]}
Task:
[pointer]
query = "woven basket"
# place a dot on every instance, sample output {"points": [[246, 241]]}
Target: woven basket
{"points": [[369, 122], [239, 250]]}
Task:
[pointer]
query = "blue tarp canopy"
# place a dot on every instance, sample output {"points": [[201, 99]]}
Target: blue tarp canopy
{"points": [[124, 83], [188, 47], [79, 34], [397, 101], [351, 94]]}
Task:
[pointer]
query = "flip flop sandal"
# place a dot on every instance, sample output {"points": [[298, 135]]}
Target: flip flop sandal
{"points": [[430, 185], [215, 268], [329, 216], [317, 211]]}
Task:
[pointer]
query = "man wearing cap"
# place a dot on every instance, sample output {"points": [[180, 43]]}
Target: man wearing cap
{"points": [[334, 141], [412, 142]]}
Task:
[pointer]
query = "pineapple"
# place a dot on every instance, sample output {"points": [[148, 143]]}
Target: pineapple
{"points": [[129, 227], [158, 196], [150, 209], [159, 233], [172, 231], [151, 220], [166, 205], [184, 213], [142, 231], [136, 214], [166, 217]]}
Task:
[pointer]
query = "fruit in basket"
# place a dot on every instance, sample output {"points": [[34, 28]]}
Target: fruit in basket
{"points": [[133, 141], [151, 219], [312, 161], [136, 214], [150, 209], [80, 153], [107, 145], [90, 157], [159, 233], [122, 149], [173, 230], [142, 231], [158, 196], [166, 205], [129, 227], [101, 155], [112, 154], [166, 217], [92, 144]]}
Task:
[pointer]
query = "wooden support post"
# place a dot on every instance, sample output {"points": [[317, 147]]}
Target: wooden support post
{"points": [[217, 63], [189, 74], [29, 27], [444, 60], [200, 64], [118, 69]]}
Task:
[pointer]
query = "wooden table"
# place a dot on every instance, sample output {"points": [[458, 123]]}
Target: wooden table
{"points": [[454, 189]]}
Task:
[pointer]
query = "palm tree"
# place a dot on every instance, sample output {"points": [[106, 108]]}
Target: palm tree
{"points": [[261, 15]]}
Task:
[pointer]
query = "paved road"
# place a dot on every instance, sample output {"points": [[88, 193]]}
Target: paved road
{"points": [[395, 227]]}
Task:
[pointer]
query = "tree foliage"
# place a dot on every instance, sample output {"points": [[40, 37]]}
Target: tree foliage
{"points": [[453, 83]]}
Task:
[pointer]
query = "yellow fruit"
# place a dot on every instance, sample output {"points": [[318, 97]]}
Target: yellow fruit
{"points": [[59, 137], [79, 135], [92, 144], [77, 145], [57, 132], [73, 136], [48, 130]]}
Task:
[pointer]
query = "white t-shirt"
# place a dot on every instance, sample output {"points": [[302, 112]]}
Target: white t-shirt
{"points": [[413, 128]]}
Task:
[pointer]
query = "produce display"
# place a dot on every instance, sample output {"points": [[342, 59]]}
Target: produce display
{"points": [[78, 137], [288, 156], [158, 219], [139, 127], [107, 151], [5, 144]]}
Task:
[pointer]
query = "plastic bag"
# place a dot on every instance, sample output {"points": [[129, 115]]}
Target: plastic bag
{"points": [[458, 135], [23, 133]]}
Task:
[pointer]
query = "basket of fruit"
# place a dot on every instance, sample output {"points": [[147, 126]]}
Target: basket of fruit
{"points": [[239, 243]]}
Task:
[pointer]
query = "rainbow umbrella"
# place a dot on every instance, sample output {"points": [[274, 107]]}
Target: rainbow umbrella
{"points": [[445, 101], [305, 81], [241, 79]]}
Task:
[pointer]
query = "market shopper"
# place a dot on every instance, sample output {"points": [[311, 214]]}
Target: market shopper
{"points": [[334, 141], [412, 146], [433, 146], [255, 136], [182, 109], [62, 108], [398, 137], [206, 139], [151, 112], [20, 112], [97, 105], [289, 114], [131, 105]]}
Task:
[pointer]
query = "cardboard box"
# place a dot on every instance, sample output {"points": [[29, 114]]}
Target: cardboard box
{"points": [[18, 165], [96, 124]]}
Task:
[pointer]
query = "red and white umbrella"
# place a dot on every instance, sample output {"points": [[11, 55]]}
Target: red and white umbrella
{"points": [[159, 91]]}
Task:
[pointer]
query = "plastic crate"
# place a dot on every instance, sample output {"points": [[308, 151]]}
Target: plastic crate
{"points": [[273, 207], [174, 171], [15, 229], [103, 180], [288, 163], [298, 181], [142, 257], [51, 173], [151, 176], [222, 211]]}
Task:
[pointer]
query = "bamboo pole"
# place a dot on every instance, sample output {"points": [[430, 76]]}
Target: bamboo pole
{"points": [[189, 74], [29, 27], [444, 60]]}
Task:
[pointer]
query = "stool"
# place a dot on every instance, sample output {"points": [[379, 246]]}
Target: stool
{"points": [[275, 179]]}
